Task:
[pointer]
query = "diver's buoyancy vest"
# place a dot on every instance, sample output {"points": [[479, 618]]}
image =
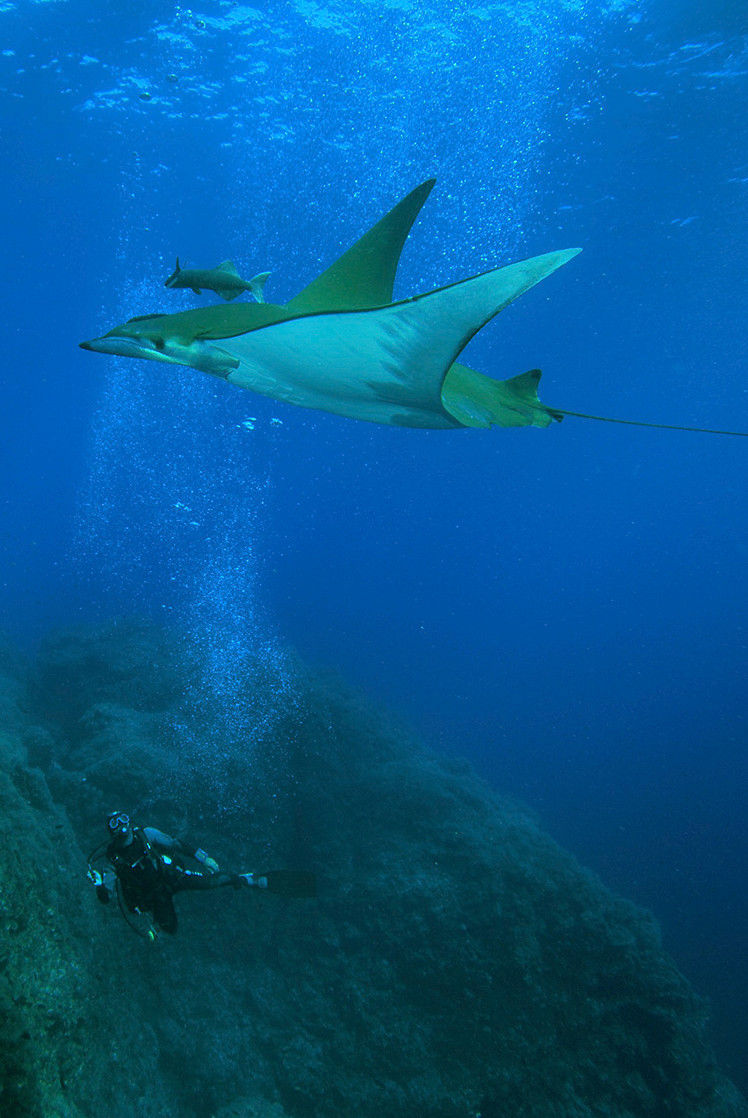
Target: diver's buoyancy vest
{"points": [[137, 866]]}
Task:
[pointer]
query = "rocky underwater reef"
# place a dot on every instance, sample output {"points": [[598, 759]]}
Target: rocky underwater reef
{"points": [[456, 963]]}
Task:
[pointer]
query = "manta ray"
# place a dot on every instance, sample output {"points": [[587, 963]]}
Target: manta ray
{"points": [[343, 346]]}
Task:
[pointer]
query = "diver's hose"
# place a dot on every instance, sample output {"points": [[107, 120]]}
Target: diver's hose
{"points": [[138, 931]]}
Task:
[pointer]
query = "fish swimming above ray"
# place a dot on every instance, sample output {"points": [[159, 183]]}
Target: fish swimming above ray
{"points": [[343, 346], [223, 279]]}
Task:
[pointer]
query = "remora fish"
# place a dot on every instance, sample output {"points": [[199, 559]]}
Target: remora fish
{"points": [[224, 280]]}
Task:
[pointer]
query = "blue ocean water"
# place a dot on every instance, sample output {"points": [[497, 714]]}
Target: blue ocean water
{"points": [[567, 607]]}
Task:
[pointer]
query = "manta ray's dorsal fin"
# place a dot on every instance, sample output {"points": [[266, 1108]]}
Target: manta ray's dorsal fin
{"points": [[364, 276], [227, 266]]}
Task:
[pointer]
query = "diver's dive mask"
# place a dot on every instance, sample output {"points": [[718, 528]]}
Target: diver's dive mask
{"points": [[118, 824]]}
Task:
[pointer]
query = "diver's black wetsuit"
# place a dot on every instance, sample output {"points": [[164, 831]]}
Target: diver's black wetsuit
{"points": [[150, 874]]}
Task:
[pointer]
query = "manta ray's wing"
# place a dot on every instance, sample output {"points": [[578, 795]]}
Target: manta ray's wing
{"points": [[364, 276], [385, 365]]}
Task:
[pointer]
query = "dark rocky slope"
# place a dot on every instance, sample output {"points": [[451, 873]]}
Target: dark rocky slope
{"points": [[457, 962]]}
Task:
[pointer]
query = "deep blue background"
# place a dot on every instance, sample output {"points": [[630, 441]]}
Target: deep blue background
{"points": [[565, 607]]}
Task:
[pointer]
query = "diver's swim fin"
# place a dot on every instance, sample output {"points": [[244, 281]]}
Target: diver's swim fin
{"points": [[284, 883]]}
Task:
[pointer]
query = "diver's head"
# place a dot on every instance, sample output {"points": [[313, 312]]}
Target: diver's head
{"points": [[119, 828]]}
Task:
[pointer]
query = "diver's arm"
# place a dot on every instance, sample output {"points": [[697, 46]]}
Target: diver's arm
{"points": [[176, 846], [103, 883], [164, 841]]}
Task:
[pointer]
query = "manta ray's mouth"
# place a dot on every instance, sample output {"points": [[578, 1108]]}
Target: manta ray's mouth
{"points": [[120, 347], [127, 345]]}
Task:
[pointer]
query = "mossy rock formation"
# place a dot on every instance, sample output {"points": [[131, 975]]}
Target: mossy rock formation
{"points": [[456, 963]]}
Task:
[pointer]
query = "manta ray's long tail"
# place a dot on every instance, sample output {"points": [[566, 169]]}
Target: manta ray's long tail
{"points": [[639, 423]]}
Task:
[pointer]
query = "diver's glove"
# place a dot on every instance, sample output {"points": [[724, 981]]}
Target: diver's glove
{"points": [[97, 880], [205, 860]]}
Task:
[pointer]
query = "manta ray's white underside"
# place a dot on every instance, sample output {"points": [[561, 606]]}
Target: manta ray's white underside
{"points": [[385, 365]]}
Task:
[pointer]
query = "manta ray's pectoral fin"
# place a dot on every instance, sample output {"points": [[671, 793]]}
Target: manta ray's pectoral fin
{"points": [[423, 337], [364, 276]]}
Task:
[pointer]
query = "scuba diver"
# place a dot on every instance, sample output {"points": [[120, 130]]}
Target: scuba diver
{"points": [[144, 867]]}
